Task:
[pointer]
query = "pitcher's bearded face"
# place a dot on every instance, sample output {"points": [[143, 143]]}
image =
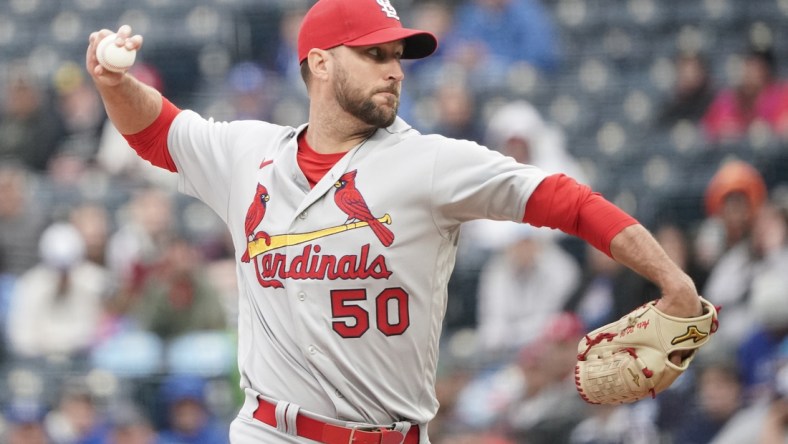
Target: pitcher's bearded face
{"points": [[377, 107]]}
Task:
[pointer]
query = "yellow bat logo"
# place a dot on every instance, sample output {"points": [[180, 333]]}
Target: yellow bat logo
{"points": [[260, 246], [692, 333]]}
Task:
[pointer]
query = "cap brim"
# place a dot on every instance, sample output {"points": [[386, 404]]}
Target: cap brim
{"points": [[418, 44]]}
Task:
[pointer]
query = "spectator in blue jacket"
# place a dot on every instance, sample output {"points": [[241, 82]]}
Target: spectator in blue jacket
{"points": [[190, 421], [501, 32]]}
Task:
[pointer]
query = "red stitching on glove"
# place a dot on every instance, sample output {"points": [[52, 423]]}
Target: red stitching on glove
{"points": [[715, 323], [592, 342]]}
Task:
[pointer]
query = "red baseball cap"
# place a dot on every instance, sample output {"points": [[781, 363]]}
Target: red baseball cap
{"points": [[330, 23]]}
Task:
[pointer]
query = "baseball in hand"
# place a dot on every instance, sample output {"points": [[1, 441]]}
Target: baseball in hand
{"points": [[113, 57]]}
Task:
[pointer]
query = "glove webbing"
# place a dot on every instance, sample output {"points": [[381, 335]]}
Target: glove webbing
{"points": [[590, 342]]}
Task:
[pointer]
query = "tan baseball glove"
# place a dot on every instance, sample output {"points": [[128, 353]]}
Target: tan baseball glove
{"points": [[628, 359]]}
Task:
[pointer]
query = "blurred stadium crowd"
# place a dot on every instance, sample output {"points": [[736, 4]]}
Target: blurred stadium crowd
{"points": [[117, 295]]}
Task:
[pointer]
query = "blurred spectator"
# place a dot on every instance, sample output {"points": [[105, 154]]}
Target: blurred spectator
{"points": [[764, 421], [765, 299], [692, 91], [177, 298], [609, 424], [549, 407], [718, 397], [484, 39], [455, 112], [221, 273], [735, 196], [248, 91], [30, 131], [286, 60], [22, 219], [78, 417], [732, 197], [429, 73], [596, 297], [92, 222], [759, 96], [497, 33], [129, 425], [531, 398], [190, 421], [145, 226], [80, 107], [774, 430], [25, 423], [56, 305], [453, 376], [251, 92], [530, 279], [517, 129]]}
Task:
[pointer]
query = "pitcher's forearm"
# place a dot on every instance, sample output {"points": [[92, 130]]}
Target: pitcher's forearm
{"points": [[131, 105], [636, 248]]}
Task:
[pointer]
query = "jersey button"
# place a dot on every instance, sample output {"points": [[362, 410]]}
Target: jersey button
{"points": [[302, 215], [312, 349], [301, 296]]}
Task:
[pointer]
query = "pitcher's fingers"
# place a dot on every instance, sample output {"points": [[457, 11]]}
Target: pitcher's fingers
{"points": [[134, 42], [93, 41], [124, 32]]}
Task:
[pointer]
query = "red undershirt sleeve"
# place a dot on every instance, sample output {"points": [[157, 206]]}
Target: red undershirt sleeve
{"points": [[562, 203], [151, 142]]}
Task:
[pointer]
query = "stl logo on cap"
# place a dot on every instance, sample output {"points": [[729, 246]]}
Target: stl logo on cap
{"points": [[356, 23], [388, 9]]}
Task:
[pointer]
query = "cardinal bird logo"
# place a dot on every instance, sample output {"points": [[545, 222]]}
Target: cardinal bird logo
{"points": [[255, 215], [351, 202]]}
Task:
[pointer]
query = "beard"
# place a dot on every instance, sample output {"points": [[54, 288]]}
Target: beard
{"points": [[361, 106]]}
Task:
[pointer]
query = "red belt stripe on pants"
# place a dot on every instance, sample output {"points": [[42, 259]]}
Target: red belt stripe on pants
{"points": [[326, 433]]}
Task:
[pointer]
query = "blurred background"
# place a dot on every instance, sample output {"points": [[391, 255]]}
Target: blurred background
{"points": [[117, 295]]}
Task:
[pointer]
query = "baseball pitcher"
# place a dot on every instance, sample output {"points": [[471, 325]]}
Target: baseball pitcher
{"points": [[345, 229]]}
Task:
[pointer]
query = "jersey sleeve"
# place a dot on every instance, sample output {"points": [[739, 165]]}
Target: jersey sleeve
{"points": [[209, 154], [151, 143], [561, 202], [474, 182]]}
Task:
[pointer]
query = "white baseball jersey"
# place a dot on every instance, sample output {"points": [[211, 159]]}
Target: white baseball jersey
{"points": [[343, 287]]}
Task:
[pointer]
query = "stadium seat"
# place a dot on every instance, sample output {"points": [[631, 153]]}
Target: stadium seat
{"points": [[134, 354], [207, 354]]}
